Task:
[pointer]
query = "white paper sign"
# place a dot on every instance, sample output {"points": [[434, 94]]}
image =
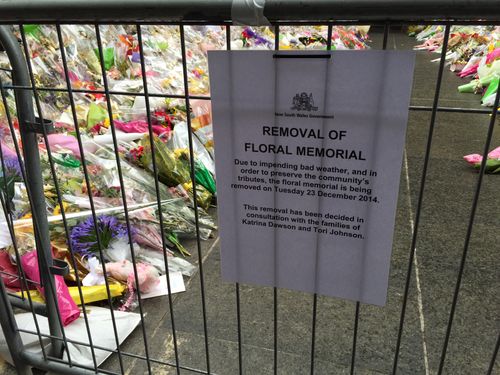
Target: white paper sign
{"points": [[308, 158]]}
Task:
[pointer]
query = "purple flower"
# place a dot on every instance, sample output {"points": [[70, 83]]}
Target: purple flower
{"points": [[12, 167], [83, 236], [136, 57], [249, 33]]}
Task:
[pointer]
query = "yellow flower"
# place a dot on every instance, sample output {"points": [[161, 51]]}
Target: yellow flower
{"points": [[57, 209], [179, 152], [106, 123]]}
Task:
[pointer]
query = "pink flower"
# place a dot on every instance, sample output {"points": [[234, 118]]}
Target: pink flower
{"points": [[493, 55], [494, 154], [473, 158]]}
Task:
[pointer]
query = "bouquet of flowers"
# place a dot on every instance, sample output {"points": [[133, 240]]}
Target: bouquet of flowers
{"points": [[492, 161]]}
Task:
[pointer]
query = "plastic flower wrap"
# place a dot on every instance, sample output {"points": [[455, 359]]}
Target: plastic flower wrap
{"points": [[303, 37], [199, 39], [148, 236], [67, 307], [83, 63], [9, 273], [141, 126], [202, 113], [178, 217], [69, 176], [139, 184], [201, 173], [180, 141], [147, 277], [124, 272], [140, 188], [171, 170], [90, 294], [203, 196], [25, 237]]}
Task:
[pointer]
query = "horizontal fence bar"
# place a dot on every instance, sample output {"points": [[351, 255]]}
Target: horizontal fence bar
{"points": [[333, 22], [421, 108], [29, 281], [59, 366], [222, 10], [102, 92], [20, 303], [115, 351], [425, 108], [302, 56]]}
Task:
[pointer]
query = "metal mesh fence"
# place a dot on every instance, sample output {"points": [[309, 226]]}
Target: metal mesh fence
{"points": [[32, 95]]}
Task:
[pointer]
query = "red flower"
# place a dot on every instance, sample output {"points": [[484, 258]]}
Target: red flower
{"points": [[136, 153], [96, 129]]}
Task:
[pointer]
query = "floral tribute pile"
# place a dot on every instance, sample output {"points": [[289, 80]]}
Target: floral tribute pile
{"points": [[129, 209], [473, 52]]}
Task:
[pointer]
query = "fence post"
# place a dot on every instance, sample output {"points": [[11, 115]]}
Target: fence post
{"points": [[26, 116]]}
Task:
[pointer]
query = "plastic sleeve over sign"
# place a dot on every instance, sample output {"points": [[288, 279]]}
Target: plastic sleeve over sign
{"points": [[249, 12]]}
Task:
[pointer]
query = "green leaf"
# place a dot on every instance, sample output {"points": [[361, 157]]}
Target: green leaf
{"points": [[7, 184], [96, 115], [492, 165], [31, 29], [108, 54], [162, 45], [172, 237]]}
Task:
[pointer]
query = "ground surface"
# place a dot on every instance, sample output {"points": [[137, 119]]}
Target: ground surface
{"points": [[444, 218]]}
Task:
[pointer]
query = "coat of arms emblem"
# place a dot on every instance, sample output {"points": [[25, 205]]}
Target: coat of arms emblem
{"points": [[303, 102]]}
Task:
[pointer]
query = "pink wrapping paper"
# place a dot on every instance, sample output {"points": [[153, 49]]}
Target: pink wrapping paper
{"points": [[492, 56], [67, 142], [138, 126], [11, 281], [124, 271], [469, 71], [7, 150], [67, 307]]}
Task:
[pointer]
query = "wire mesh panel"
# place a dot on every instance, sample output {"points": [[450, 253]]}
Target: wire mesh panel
{"points": [[108, 183]]}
